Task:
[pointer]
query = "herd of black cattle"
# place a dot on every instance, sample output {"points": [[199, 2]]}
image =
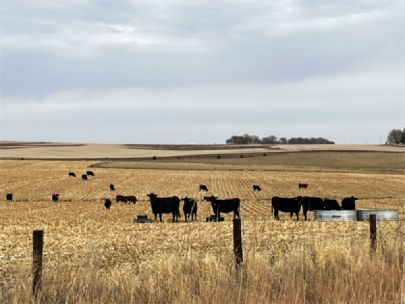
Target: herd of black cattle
{"points": [[161, 205]]}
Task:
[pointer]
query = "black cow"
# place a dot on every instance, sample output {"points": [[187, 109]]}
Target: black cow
{"points": [[302, 186], [257, 188], [224, 205], [9, 197], [292, 205], [72, 174], [107, 203], [131, 199], [349, 203], [331, 204], [112, 188], [203, 188], [55, 198], [161, 205], [126, 199], [311, 204], [190, 207], [84, 177], [90, 173], [121, 198]]}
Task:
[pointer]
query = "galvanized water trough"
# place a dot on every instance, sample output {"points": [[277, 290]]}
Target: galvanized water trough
{"points": [[335, 215], [142, 219], [382, 215]]}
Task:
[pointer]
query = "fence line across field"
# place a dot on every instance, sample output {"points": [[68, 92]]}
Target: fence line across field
{"points": [[38, 245]]}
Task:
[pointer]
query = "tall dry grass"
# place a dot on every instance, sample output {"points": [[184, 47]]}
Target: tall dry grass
{"points": [[311, 272]]}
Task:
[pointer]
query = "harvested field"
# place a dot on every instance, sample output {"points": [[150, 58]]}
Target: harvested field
{"points": [[86, 243], [80, 151], [35, 181], [337, 161]]}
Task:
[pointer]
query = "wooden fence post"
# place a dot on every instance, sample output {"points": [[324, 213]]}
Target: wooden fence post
{"points": [[373, 233], [37, 248], [237, 241]]}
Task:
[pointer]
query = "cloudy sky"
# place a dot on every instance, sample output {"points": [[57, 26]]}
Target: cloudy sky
{"points": [[200, 71]]}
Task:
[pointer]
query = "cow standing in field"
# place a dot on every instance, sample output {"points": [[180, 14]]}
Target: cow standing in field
{"points": [[55, 198], [190, 207], [126, 199], [224, 205], [203, 188], [84, 177], [302, 186], [161, 205], [9, 197], [112, 188], [349, 203], [310, 204], [257, 188], [90, 173], [331, 204], [121, 198], [131, 199], [291, 205], [107, 203], [72, 174]]}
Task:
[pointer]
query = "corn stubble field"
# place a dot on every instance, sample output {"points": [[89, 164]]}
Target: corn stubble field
{"points": [[93, 255]]}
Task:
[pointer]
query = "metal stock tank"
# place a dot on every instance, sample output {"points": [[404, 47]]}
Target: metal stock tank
{"points": [[335, 215], [382, 215]]}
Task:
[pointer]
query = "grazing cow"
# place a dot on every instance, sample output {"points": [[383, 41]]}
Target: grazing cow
{"points": [[126, 199], [55, 198], [107, 203], [72, 174], [203, 188], [349, 203], [9, 197], [302, 186], [224, 205], [112, 188], [190, 207], [331, 204], [131, 199], [257, 188], [161, 205], [291, 205], [121, 198], [84, 177], [311, 204], [90, 173]]}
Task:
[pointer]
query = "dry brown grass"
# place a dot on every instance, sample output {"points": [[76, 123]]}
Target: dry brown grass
{"points": [[97, 256]]}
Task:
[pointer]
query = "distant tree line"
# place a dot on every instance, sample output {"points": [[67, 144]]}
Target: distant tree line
{"points": [[247, 139], [396, 137]]}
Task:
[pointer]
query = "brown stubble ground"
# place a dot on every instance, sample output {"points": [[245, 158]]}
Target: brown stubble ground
{"points": [[78, 230], [325, 161]]}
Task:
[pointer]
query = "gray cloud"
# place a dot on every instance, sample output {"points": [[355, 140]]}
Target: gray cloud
{"points": [[69, 69]]}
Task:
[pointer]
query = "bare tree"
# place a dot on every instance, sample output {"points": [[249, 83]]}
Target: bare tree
{"points": [[247, 139], [282, 141], [269, 140], [394, 137]]}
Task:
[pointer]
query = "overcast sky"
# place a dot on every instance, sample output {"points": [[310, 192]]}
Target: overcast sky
{"points": [[201, 71]]}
